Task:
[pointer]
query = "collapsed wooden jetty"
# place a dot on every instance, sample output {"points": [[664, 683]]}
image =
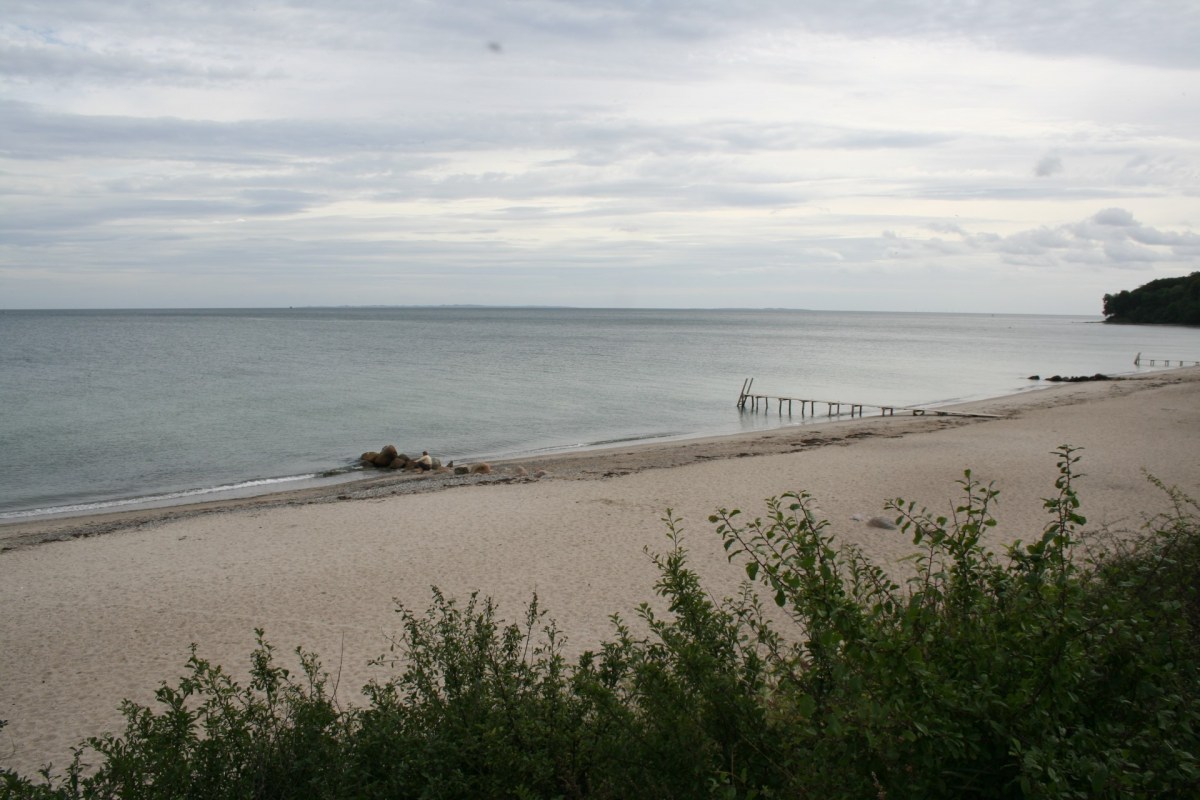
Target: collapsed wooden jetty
{"points": [[834, 408], [1166, 362]]}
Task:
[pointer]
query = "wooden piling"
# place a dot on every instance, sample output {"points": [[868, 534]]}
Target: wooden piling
{"points": [[834, 408], [1139, 360]]}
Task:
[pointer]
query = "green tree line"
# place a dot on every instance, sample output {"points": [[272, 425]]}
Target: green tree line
{"points": [[1037, 672], [1166, 301]]}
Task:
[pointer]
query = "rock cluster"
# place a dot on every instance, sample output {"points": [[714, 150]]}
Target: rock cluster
{"points": [[1099, 376], [390, 458]]}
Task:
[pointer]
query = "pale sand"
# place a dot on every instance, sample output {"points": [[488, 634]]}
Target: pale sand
{"points": [[88, 621]]}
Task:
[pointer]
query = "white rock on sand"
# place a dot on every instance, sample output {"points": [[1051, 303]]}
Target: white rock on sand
{"points": [[89, 621]]}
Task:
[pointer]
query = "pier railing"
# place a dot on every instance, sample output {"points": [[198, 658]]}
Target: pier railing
{"points": [[749, 400]]}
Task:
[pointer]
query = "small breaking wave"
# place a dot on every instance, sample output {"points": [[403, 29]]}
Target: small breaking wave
{"points": [[168, 498]]}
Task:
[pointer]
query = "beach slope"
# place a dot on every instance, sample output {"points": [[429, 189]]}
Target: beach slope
{"points": [[90, 619]]}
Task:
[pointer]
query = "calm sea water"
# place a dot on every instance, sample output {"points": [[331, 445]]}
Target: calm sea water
{"points": [[105, 407]]}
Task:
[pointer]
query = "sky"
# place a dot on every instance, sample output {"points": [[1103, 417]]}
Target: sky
{"points": [[1026, 156]]}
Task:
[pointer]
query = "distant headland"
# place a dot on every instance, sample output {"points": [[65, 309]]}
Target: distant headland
{"points": [[1166, 301]]}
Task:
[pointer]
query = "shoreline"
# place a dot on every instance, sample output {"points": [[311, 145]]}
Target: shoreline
{"points": [[328, 479], [585, 464], [335, 481], [580, 464], [91, 620]]}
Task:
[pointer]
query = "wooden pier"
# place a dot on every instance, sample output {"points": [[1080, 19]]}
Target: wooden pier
{"points": [[1139, 360], [833, 408]]}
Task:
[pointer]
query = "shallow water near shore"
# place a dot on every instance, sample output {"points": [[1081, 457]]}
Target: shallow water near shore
{"points": [[105, 408]]}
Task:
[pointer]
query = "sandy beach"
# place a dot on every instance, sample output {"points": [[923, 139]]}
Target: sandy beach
{"points": [[102, 608]]}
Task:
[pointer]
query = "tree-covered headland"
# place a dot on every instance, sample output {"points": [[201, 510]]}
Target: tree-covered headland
{"points": [[1166, 301]]}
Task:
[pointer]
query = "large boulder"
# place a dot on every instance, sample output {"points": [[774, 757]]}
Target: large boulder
{"points": [[385, 457], [399, 462], [369, 457]]}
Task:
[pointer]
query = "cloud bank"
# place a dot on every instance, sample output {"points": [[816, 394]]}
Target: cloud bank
{"points": [[864, 155]]}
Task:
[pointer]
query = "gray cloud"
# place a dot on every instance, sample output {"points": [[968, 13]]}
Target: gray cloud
{"points": [[1150, 32], [1118, 217], [1111, 237], [1048, 165], [49, 62], [133, 39], [688, 166]]}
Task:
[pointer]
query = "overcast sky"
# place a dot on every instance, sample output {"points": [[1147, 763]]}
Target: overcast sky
{"points": [[923, 155]]}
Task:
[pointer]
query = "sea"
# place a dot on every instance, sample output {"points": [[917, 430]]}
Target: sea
{"points": [[108, 410]]}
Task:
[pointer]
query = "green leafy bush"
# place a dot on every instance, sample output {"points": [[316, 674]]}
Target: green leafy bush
{"points": [[1029, 673]]}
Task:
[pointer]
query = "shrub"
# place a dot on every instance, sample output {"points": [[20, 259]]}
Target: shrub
{"points": [[1014, 676]]}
